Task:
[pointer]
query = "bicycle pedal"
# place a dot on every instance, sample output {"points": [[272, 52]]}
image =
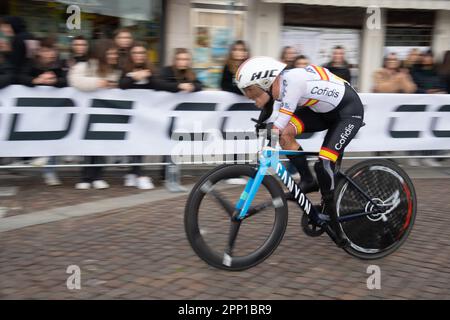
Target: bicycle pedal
{"points": [[310, 228]]}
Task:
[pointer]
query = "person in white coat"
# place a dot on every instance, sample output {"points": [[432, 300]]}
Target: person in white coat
{"points": [[99, 72]]}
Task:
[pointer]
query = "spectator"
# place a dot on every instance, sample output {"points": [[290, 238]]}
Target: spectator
{"points": [[181, 70], [21, 41], [124, 41], [288, 55], [138, 73], [393, 79], [338, 65], [6, 70], [301, 61], [412, 59], [426, 76], [445, 70], [237, 55], [100, 72], [45, 69], [79, 51], [428, 81], [97, 73]]}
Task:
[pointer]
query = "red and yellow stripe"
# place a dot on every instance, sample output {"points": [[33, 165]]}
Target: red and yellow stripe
{"points": [[285, 111], [322, 73], [298, 124], [310, 102], [328, 154]]}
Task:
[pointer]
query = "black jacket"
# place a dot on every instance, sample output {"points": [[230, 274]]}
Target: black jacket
{"points": [[168, 75], [32, 69], [342, 72], [227, 83], [18, 55], [427, 79], [152, 82], [6, 73]]}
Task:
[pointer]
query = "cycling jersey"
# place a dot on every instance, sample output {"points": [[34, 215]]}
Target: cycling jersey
{"points": [[313, 87]]}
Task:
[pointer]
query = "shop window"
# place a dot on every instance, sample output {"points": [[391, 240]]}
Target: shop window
{"points": [[216, 24], [99, 19]]}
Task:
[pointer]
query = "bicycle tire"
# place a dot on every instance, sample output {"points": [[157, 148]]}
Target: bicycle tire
{"points": [[409, 202], [192, 229]]}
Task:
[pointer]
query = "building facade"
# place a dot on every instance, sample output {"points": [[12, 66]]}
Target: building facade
{"points": [[366, 29], [98, 19]]}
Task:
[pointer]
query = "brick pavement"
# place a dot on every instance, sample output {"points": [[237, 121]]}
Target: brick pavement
{"points": [[33, 195], [142, 253]]}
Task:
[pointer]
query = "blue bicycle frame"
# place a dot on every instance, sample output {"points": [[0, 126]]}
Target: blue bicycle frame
{"points": [[269, 162]]}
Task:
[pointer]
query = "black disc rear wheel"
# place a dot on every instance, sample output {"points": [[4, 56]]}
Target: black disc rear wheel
{"points": [[389, 187]]}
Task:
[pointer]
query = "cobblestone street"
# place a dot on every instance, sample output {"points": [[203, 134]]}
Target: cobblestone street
{"points": [[141, 252]]}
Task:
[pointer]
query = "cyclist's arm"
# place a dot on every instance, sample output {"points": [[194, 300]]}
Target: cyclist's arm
{"points": [[293, 87], [275, 111]]}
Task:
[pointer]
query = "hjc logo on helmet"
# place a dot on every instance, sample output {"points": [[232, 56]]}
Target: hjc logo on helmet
{"points": [[267, 73]]}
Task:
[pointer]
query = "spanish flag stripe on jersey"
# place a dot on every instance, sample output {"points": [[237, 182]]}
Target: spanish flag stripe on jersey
{"points": [[322, 73], [311, 102], [286, 112], [328, 154], [306, 103], [298, 124]]}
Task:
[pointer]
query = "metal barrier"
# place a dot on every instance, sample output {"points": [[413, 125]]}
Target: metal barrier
{"points": [[147, 164]]}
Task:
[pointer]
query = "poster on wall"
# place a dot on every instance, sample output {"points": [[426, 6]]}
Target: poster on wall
{"points": [[221, 37], [318, 43], [210, 53]]}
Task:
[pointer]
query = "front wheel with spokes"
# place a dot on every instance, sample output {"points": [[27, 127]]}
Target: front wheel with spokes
{"points": [[220, 240]]}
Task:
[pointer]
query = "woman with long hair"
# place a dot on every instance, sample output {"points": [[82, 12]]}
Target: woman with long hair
{"points": [[392, 78], [123, 39], [181, 70], [288, 55], [237, 55], [139, 73], [99, 72]]}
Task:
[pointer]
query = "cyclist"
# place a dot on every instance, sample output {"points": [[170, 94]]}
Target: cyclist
{"points": [[306, 99]]}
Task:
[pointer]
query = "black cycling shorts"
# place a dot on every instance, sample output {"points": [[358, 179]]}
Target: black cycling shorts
{"points": [[342, 123]]}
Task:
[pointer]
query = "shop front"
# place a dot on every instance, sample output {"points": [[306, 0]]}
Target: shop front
{"points": [[98, 19]]}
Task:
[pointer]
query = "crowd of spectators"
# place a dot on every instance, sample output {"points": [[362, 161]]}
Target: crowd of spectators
{"points": [[123, 62], [417, 73]]}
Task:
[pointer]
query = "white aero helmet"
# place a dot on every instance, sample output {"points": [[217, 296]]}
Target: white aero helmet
{"points": [[260, 71]]}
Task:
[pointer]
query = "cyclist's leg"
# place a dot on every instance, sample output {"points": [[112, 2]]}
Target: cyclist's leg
{"points": [[348, 120], [297, 126]]}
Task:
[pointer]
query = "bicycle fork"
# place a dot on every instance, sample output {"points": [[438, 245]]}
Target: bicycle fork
{"points": [[241, 210]]}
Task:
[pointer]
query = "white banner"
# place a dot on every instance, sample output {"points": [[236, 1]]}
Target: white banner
{"points": [[45, 121]]}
